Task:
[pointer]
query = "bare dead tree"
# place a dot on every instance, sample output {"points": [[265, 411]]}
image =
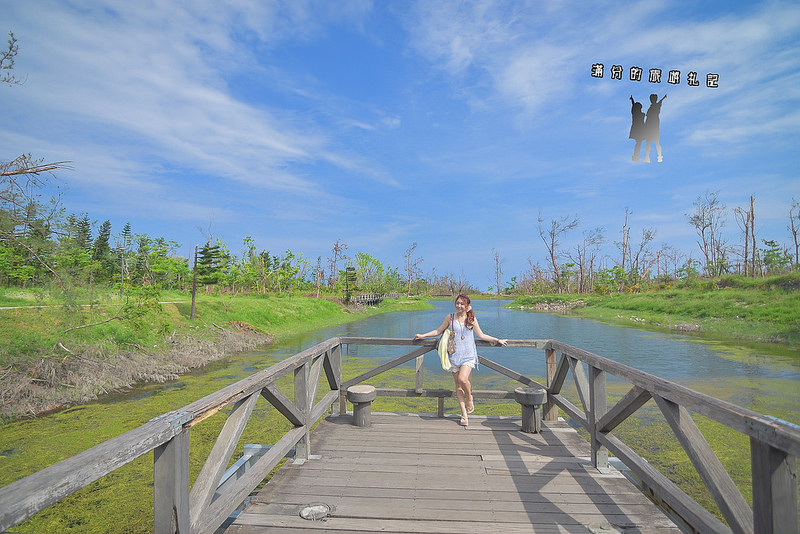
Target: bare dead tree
{"points": [[550, 237], [498, 270], [585, 257], [744, 219], [708, 220], [319, 273], [20, 182], [642, 253], [624, 245], [412, 265], [338, 255], [794, 228]]}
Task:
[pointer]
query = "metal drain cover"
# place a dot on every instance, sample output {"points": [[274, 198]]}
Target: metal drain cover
{"points": [[315, 511]]}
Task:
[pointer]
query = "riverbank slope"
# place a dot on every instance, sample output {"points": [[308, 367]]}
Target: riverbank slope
{"points": [[765, 313], [57, 354]]}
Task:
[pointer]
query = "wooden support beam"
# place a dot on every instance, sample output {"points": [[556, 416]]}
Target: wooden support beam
{"points": [[549, 410], [220, 509], [386, 366], [494, 366], [283, 404], [774, 489], [208, 480], [581, 382], [570, 409], [301, 401], [333, 371], [681, 504], [333, 367], [727, 496], [627, 406], [598, 402], [171, 486], [418, 373], [314, 371]]}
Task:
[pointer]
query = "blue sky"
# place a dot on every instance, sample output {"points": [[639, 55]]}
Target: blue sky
{"points": [[380, 124]]}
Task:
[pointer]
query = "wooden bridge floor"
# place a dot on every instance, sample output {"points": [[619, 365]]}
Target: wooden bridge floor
{"points": [[411, 473]]}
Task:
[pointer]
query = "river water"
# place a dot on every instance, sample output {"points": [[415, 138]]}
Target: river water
{"points": [[733, 372]]}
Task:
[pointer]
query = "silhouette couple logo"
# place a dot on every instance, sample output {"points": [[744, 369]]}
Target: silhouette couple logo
{"points": [[646, 127]]}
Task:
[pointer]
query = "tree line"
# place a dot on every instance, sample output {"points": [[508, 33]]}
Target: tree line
{"points": [[640, 264], [40, 244]]}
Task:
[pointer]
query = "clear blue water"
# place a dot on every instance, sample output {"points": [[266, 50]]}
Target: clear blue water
{"points": [[763, 380], [679, 358]]}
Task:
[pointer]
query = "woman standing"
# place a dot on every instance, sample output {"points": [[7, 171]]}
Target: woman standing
{"points": [[465, 358]]}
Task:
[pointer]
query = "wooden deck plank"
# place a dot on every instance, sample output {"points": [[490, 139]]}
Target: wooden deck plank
{"points": [[409, 473]]}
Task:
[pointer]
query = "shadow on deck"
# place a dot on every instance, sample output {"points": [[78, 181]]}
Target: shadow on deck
{"points": [[419, 473]]}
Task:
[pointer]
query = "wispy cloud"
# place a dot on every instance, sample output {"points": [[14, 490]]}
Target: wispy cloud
{"points": [[155, 77], [530, 58]]}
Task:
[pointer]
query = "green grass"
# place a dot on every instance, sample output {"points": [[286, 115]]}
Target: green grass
{"points": [[32, 331], [766, 310]]}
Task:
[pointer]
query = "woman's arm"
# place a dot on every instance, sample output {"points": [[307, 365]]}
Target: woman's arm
{"points": [[444, 326], [486, 337]]}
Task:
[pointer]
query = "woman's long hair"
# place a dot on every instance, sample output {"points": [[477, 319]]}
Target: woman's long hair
{"points": [[470, 314]]}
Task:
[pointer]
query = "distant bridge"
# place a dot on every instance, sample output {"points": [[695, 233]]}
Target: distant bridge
{"points": [[372, 299]]}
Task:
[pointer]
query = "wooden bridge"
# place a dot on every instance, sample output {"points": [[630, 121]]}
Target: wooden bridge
{"points": [[424, 473], [372, 299]]}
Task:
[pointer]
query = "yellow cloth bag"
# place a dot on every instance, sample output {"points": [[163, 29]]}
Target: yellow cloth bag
{"points": [[442, 348]]}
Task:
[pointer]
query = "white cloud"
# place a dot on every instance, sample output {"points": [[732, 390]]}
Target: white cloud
{"points": [[154, 77], [527, 58]]}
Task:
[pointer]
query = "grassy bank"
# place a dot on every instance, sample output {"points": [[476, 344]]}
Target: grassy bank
{"points": [[762, 313], [57, 351]]}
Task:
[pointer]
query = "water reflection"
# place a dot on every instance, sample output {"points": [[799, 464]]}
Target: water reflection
{"points": [[672, 356]]}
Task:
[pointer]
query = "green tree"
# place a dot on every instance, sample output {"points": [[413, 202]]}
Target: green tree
{"points": [[101, 253], [291, 271], [7, 61], [166, 269], [776, 258], [212, 264], [73, 255], [123, 242]]}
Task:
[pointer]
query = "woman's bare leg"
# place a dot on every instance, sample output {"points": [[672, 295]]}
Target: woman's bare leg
{"points": [[463, 382], [460, 393]]}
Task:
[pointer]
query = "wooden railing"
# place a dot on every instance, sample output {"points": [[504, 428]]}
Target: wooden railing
{"points": [[201, 509], [775, 444]]}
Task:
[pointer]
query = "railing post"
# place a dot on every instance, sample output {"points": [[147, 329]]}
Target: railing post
{"points": [[550, 409], [303, 404], [418, 374], [774, 489], [335, 355], [171, 486], [598, 406]]}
